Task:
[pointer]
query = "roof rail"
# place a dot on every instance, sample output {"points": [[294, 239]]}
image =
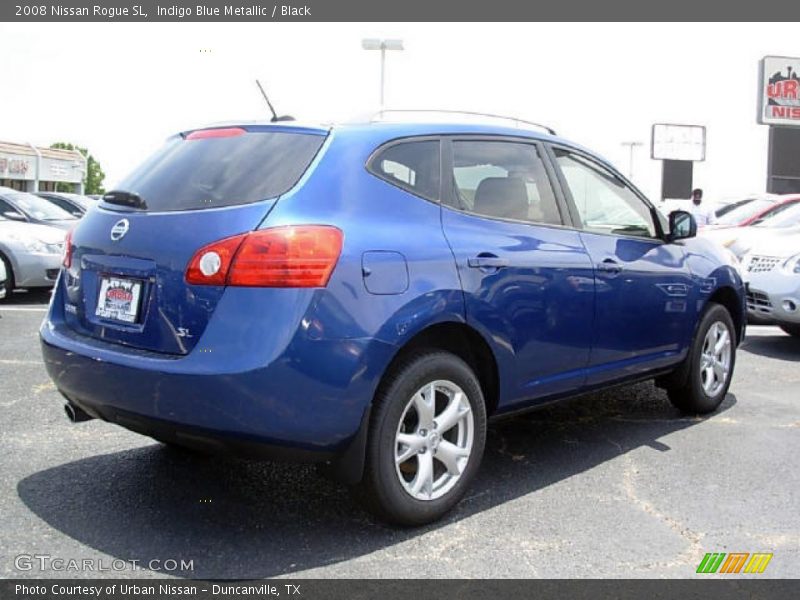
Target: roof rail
{"points": [[377, 116]]}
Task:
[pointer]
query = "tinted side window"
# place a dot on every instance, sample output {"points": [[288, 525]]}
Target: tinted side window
{"points": [[506, 180], [189, 174], [605, 204], [414, 166]]}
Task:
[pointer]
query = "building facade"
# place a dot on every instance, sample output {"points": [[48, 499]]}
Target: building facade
{"points": [[28, 168]]}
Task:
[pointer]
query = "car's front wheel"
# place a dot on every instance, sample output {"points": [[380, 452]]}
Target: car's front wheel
{"points": [[9, 278], [426, 439], [703, 380]]}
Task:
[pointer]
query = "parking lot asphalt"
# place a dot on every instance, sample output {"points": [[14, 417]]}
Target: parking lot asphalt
{"points": [[613, 484]]}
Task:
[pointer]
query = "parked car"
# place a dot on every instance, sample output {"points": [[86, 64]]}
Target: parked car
{"points": [[30, 254], [365, 296], [3, 280], [772, 268], [75, 204], [25, 207], [743, 213], [782, 203], [740, 240], [718, 207]]}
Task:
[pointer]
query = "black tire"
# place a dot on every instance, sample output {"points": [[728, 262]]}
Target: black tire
{"points": [[380, 490], [685, 387], [9, 277], [792, 329]]}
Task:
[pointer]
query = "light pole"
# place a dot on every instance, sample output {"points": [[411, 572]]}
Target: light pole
{"points": [[631, 146], [383, 46]]}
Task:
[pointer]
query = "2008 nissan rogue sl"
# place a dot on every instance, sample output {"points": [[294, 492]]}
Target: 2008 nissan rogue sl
{"points": [[367, 295]]}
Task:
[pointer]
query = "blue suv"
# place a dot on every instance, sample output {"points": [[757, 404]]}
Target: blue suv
{"points": [[365, 296]]}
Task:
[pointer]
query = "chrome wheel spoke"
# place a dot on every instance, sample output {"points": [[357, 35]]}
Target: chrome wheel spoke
{"points": [[722, 341], [452, 414], [422, 483], [424, 402], [450, 456], [411, 443], [719, 372]]}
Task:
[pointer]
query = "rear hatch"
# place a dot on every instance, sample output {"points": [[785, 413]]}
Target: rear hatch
{"points": [[126, 282]]}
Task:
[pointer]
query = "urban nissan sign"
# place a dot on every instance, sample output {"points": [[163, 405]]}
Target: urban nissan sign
{"points": [[779, 91]]}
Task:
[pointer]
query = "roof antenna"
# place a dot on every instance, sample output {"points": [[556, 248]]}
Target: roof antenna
{"points": [[275, 118]]}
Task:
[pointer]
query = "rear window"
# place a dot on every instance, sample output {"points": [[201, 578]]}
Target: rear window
{"points": [[222, 171]]}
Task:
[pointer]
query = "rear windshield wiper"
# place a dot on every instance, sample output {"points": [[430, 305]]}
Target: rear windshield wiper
{"points": [[124, 198]]}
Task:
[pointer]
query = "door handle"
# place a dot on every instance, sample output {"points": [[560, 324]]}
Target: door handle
{"points": [[488, 262], [609, 266]]}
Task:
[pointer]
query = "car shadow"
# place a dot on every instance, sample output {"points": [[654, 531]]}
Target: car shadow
{"points": [[781, 346], [26, 297], [241, 519]]}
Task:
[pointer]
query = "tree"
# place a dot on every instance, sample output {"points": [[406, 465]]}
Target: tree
{"points": [[92, 180]]}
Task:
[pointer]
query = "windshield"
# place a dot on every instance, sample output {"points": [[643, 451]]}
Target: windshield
{"points": [[38, 208], [724, 210], [744, 212], [209, 171], [787, 217]]}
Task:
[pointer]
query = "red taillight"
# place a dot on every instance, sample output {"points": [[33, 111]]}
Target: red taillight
{"points": [[210, 264], [220, 132], [67, 257], [292, 256]]}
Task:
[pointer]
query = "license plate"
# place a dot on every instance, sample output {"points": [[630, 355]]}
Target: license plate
{"points": [[119, 299]]}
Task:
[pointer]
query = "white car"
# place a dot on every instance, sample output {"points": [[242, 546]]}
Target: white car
{"points": [[740, 240], [772, 272]]}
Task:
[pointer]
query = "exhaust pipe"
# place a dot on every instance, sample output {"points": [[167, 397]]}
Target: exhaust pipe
{"points": [[75, 414]]}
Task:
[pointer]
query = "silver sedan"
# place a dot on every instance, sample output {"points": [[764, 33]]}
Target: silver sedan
{"points": [[30, 254]]}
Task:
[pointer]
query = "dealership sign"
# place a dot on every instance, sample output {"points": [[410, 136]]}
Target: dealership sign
{"points": [[14, 166], [779, 91], [672, 141]]}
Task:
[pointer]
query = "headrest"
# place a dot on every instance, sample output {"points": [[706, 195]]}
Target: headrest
{"points": [[504, 197]]}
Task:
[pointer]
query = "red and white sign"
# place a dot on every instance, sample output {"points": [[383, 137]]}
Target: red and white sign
{"points": [[779, 91]]}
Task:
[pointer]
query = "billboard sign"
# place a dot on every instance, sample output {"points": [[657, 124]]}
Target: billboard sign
{"points": [[670, 141], [779, 91]]}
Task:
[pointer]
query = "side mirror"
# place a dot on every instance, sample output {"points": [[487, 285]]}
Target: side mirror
{"points": [[681, 225], [14, 215]]}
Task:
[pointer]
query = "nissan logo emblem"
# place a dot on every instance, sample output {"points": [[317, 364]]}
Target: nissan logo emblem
{"points": [[119, 229]]}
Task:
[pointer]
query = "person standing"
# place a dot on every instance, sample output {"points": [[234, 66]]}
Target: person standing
{"points": [[701, 214]]}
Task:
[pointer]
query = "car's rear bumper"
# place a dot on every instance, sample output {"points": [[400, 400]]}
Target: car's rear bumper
{"points": [[303, 399]]}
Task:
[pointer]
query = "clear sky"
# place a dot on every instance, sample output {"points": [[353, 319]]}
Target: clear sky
{"points": [[120, 89]]}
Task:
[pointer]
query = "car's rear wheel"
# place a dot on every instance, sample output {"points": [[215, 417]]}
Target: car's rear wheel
{"points": [[792, 329], [706, 374], [426, 439]]}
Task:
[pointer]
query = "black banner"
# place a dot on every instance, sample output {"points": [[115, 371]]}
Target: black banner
{"points": [[394, 10], [733, 588]]}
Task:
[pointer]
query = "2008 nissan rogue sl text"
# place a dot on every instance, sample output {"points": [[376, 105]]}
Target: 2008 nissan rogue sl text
{"points": [[366, 295]]}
